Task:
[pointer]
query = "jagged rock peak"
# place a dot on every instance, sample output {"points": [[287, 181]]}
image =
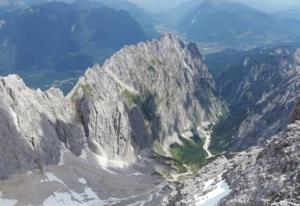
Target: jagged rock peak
{"points": [[148, 92], [162, 82], [12, 79]]}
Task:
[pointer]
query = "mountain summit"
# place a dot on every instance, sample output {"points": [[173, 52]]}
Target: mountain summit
{"points": [[149, 92]]}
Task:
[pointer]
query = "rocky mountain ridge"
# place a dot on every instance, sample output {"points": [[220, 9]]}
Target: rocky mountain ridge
{"points": [[149, 92], [154, 94], [261, 87]]}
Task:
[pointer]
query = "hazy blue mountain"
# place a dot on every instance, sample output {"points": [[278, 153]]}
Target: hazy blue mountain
{"points": [[146, 19], [62, 37], [232, 23], [157, 5], [290, 13]]}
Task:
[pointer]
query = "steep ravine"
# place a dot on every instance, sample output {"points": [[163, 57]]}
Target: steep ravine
{"points": [[261, 88]]}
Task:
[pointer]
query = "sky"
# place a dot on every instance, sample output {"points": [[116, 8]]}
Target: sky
{"points": [[272, 4], [266, 5], [158, 5]]}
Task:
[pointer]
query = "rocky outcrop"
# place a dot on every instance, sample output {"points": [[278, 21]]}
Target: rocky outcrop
{"points": [[151, 91], [33, 126], [261, 91], [258, 176], [273, 178]]}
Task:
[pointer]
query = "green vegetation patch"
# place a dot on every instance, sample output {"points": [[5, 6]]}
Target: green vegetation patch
{"points": [[130, 98], [86, 90], [157, 148], [190, 153], [171, 162], [223, 132]]}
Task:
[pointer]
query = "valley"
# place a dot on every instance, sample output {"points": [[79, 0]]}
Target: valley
{"points": [[105, 103], [124, 135]]}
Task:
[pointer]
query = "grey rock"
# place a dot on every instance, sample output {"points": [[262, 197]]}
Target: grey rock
{"points": [[151, 91], [270, 177], [148, 92], [257, 176], [33, 123], [262, 94]]}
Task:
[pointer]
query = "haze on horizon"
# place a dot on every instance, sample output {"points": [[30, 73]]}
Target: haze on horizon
{"points": [[266, 5]]}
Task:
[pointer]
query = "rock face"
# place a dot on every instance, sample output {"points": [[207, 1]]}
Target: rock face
{"points": [[273, 177], [151, 91], [261, 90], [33, 126], [268, 176]]}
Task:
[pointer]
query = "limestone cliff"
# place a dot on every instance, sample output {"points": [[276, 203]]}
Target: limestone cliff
{"points": [[144, 93]]}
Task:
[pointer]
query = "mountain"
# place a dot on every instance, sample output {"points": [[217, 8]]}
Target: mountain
{"points": [[145, 18], [156, 5], [258, 176], [149, 127], [235, 25], [289, 13], [137, 104], [59, 37], [261, 87]]}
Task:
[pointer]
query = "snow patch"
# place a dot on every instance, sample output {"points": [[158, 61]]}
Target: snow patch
{"points": [[72, 198], [83, 155], [213, 197], [15, 117], [7, 202], [50, 177], [187, 66], [208, 183], [137, 174], [82, 181]]}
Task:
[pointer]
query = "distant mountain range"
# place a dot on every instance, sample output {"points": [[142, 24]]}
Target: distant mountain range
{"points": [[47, 52], [62, 37], [231, 24], [290, 13]]}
